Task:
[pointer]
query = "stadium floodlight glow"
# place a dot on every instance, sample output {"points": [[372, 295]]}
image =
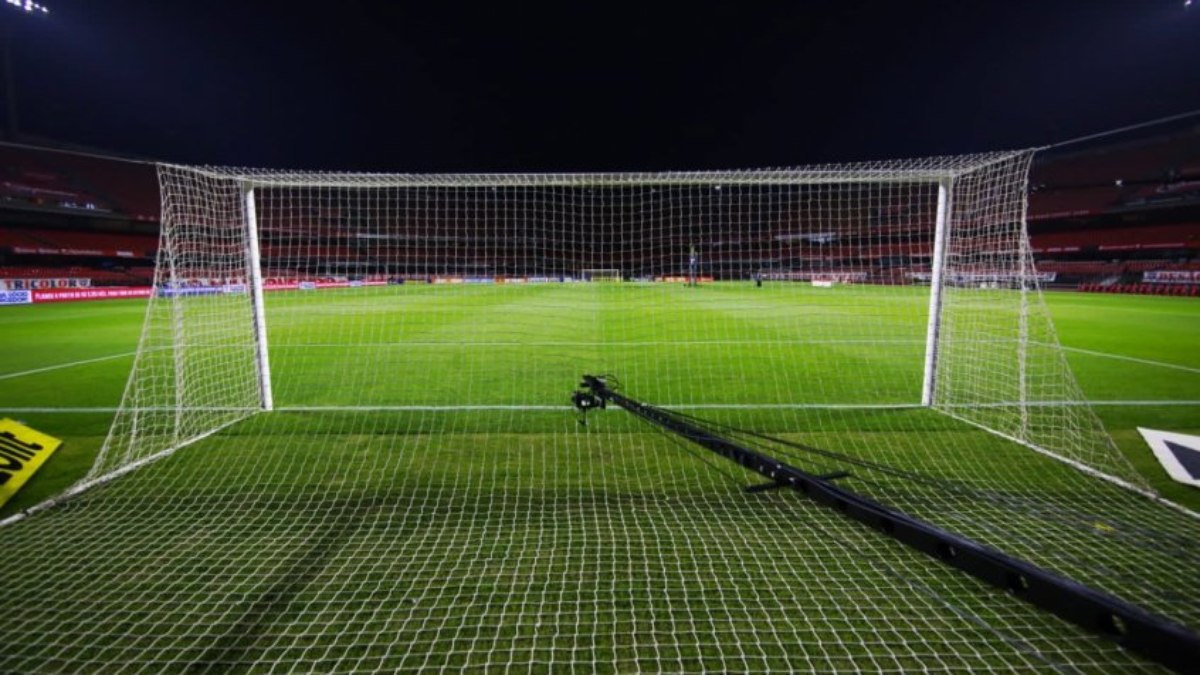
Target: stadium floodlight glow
{"points": [[28, 6]]}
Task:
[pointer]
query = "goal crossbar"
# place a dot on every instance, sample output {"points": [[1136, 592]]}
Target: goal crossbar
{"points": [[926, 170]]}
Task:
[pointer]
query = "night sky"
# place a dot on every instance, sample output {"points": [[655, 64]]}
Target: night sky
{"points": [[432, 86]]}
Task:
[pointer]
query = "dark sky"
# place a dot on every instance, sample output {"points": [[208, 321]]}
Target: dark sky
{"points": [[428, 85]]}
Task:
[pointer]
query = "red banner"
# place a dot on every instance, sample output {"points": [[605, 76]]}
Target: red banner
{"points": [[76, 294]]}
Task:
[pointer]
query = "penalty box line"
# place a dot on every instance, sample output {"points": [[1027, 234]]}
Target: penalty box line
{"points": [[1133, 359], [585, 343], [61, 366]]}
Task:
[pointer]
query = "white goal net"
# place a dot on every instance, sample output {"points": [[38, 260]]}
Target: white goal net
{"points": [[347, 442]]}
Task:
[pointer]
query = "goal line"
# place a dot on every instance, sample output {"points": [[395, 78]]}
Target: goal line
{"points": [[1114, 403]]}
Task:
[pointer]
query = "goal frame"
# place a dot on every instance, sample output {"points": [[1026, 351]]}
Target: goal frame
{"points": [[588, 274], [945, 187], [944, 174]]}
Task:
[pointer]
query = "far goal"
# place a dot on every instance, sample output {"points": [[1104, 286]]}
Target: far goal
{"points": [[601, 275]]}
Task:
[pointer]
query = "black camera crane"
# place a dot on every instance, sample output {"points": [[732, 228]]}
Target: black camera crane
{"points": [[1152, 636]]}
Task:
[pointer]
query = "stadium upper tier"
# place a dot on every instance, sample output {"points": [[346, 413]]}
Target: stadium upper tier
{"points": [[1157, 172], [46, 241], [1175, 236], [1077, 211], [41, 179], [1160, 172], [133, 276]]}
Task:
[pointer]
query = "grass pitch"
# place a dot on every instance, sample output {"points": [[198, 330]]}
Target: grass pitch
{"points": [[384, 535], [59, 361]]}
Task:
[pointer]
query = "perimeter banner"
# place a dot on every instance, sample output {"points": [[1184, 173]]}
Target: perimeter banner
{"points": [[1172, 276], [22, 453], [106, 293], [15, 297]]}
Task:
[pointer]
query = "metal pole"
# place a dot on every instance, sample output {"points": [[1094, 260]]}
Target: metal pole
{"points": [[254, 281], [1025, 278], [936, 286]]}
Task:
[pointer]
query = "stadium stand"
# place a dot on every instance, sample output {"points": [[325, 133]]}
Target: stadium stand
{"points": [[97, 276], [1119, 217], [1162, 170], [142, 246], [68, 242], [131, 187], [1173, 236], [76, 219], [77, 182]]}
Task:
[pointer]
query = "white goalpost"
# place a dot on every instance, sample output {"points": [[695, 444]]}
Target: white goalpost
{"points": [[254, 279], [347, 441], [937, 262]]}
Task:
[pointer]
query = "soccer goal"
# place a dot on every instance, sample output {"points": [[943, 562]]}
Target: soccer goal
{"points": [[941, 291], [601, 275], [348, 439]]}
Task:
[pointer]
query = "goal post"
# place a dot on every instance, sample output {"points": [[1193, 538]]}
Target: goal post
{"points": [[937, 263], [254, 278], [202, 358]]}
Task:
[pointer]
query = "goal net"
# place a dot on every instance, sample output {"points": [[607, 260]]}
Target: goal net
{"points": [[347, 443]]}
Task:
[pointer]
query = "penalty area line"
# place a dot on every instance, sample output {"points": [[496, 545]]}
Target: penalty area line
{"points": [[726, 406], [680, 406], [584, 343], [60, 366], [1133, 359]]}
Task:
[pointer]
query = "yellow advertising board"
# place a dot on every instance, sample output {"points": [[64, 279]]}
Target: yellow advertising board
{"points": [[22, 453]]}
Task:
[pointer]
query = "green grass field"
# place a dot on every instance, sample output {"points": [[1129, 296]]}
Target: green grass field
{"points": [[75, 356], [395, 529]]}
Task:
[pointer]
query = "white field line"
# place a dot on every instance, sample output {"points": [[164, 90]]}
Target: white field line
{"points": [[1046, 404], [60, 366], [680, 406], [1133, 359], [672, 406], [417, 408], [580, 343], [63, 410], [727, 406]]}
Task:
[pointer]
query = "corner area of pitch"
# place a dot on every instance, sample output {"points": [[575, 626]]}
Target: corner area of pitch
{"points": [[1179, 454], [22, 452]]}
